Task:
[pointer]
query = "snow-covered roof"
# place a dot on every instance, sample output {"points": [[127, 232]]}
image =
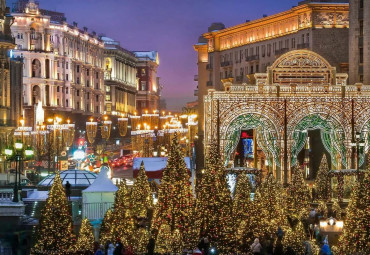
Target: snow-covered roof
{"points": [[155, 163], [102, 183], [41, 195], [143, 55]]}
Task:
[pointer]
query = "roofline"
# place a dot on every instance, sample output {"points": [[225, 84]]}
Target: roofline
{"points": [[255, 23]]}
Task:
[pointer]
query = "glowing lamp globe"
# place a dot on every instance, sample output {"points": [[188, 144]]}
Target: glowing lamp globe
{"points": [[18, 145]]}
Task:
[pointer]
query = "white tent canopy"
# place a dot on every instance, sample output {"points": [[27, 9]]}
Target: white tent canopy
{"points": [[99, 196]]}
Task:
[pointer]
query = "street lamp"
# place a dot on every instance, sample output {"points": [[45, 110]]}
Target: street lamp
{"points": [[19, 156]]}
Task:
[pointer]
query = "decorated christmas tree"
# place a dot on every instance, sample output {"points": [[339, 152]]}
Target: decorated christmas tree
{"points": [[142, 199], [106, 228], [140, 240], [85, 242], [294, 238], [356, 231], [267, 211], [322, 181], [55, 231], [298, 199], [163, 243], [175, 206], [214, 204], [122, 222], [241, 207]]}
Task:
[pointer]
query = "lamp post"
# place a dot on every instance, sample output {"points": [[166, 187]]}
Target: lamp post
{"points": [[19, 155], [358, 144]]}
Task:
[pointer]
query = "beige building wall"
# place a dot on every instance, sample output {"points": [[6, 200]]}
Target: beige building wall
{"points": [[359, 42]]}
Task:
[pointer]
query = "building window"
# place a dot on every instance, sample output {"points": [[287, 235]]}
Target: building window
{"points": [[361, 55], [88, 83], [88, 95], [143, 104], [78, 106], [78, 80], [97, 75], [107, 97], [246, 53], [308, 38], [87, 72], [361, 4], [58, 101], [58, 63], [66, 65], [97, 85], [78, 68], [293, 43], [78, 92], [107, 88], [58, 89], [361, 28], [67, 90], [97, 98], [143, 71], [263, 50], [58, 76], [257, 68], [268, 50], [33, 34], [252, 69], [87, 108], [143, 86], [66, 77], [67, 103], [97, 109], [302, 38], [257, 50], [286, 44]]}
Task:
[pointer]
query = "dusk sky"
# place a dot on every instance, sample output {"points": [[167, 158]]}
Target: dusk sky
{"points": [[169, 26]]}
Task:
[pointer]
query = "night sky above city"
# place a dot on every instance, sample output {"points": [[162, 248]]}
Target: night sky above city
{"points": [[169, 26]]}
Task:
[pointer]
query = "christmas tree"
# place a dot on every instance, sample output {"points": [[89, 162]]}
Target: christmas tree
{"points": [[122, 222], [85, 242], [140, 240], [106, 228], [175, 205], [241, 207], [298, 197], [55, 231], [163, 244], [214, 204], [142, 199], [356, 231], [267, 211], [294, 238], [322, 181]]}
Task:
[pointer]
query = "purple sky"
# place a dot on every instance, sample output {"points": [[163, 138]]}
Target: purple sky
{"points": [[169, 26]]}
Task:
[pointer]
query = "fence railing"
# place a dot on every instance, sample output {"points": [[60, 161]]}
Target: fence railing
{"points": [[95, 210]]}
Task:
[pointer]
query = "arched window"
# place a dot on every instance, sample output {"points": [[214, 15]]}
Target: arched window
{"points": [[33, 34], [36, 68], [36, 94]]}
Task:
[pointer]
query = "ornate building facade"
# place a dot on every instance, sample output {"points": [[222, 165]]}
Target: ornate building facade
{"points": [[300, 91], [10, 75], [149, 88], [119, 79], [359, 43], [63, 65], [241, 51]]}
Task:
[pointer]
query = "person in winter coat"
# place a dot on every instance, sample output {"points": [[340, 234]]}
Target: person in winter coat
{"points": [[307, 248], [325, 250], [279, 249], [150, 246], [110, 249], [256, 247], [100, 250], [118, 249], [279, 233]]}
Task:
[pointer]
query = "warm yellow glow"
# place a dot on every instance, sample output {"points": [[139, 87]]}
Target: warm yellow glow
{"points": [[68, 121], [50, 120], [146, 111], [105, 117], [91, 119], [323, 224], [22, 122], [339, 224]]}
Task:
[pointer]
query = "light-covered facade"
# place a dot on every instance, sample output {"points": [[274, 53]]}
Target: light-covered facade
{"points": [[119, 79], [63, 65], [238, 53]]}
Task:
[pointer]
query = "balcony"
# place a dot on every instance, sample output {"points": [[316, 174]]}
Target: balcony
{"points": [[252, 58], [303, 46], [195, 92], [209, 83], [196, 77], [226, 63], [209, 67], [281, 51]]}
